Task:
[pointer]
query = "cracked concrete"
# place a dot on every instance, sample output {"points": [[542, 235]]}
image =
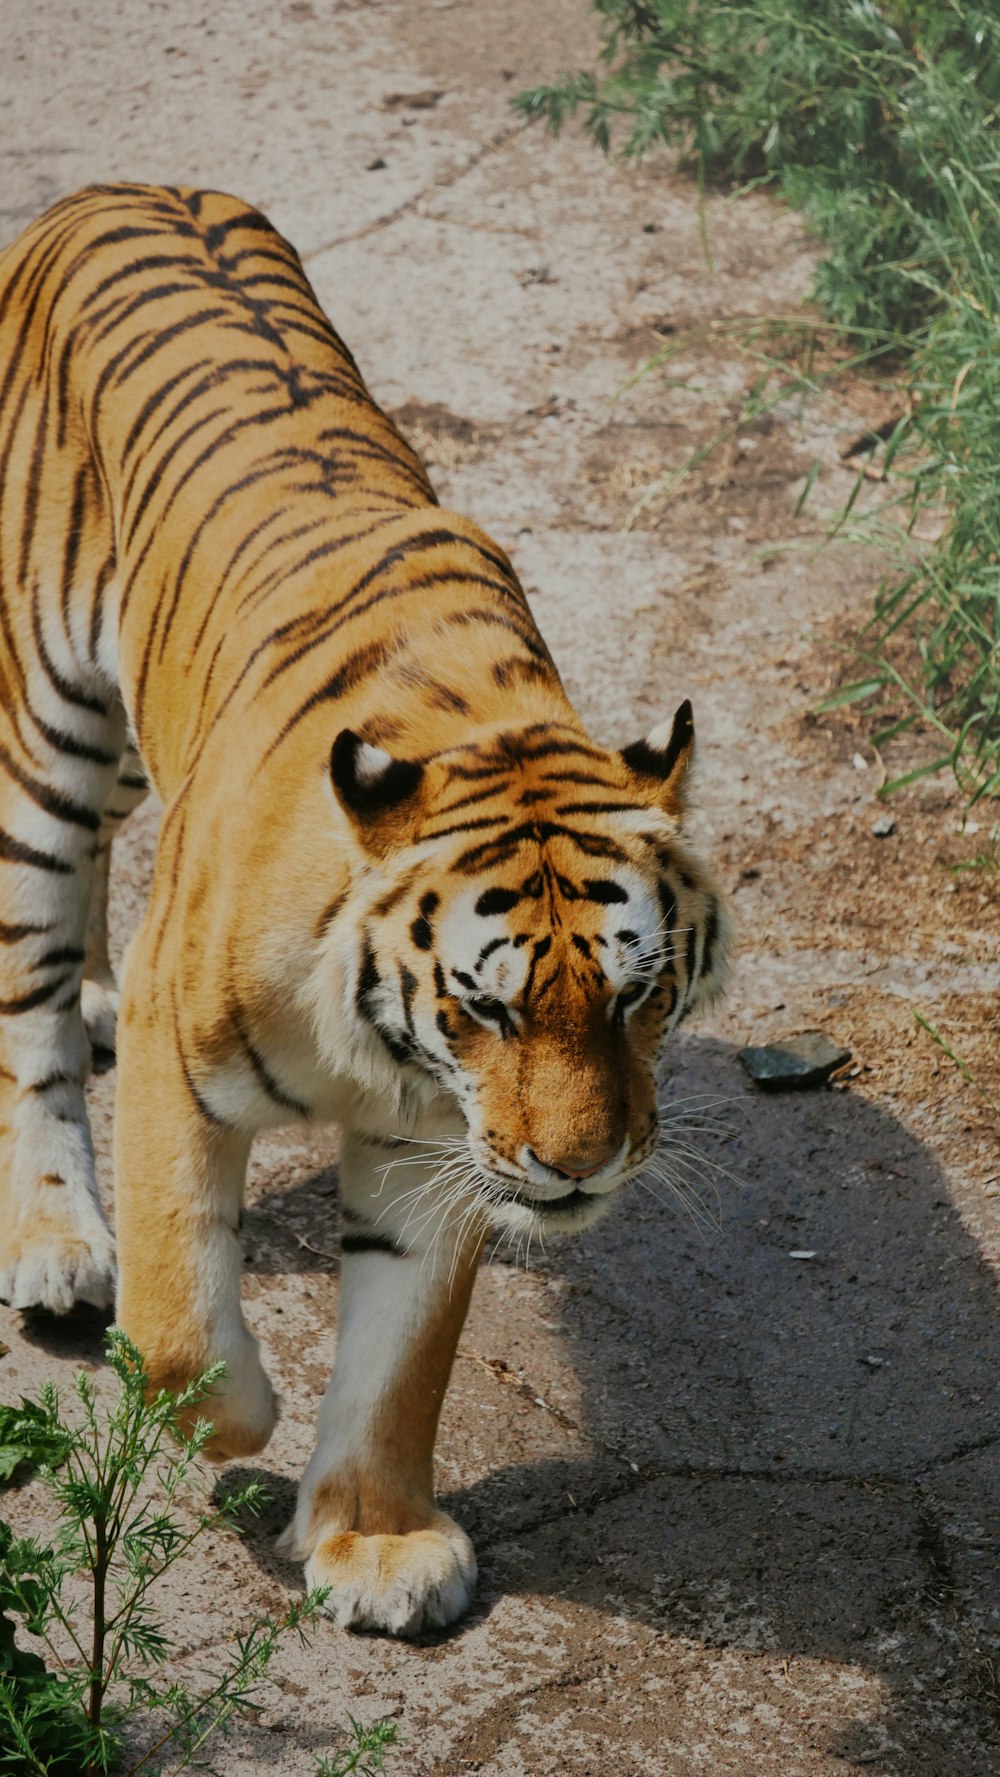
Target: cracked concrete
{"points": [[736, 1513]]}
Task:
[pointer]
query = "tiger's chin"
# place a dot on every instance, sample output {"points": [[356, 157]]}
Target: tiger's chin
{"points": [[519, 1212]]}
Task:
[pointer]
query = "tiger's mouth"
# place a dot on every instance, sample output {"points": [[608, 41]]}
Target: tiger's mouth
{"points": [[544, 1206]]}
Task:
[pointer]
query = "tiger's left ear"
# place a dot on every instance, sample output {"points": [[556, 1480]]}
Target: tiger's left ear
{"points": [[664, 758], [372, 786]]}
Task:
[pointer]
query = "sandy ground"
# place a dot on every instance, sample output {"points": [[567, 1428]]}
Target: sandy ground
{"points": [[736, 1511]]}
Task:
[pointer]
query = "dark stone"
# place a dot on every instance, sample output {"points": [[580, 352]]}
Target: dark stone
{"points": [[795, 1063]]}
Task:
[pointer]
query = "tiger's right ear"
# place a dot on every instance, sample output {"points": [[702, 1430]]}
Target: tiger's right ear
{"points": [[369, 783], [663, 759]]}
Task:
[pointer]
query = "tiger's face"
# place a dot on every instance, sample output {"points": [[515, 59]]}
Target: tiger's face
{"points": [[530, 946]]}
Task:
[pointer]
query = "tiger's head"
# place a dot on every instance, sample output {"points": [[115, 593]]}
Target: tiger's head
{"points": [[533, 924]]}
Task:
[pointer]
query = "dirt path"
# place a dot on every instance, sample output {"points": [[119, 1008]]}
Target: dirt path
{"points": [[736, 1511]]}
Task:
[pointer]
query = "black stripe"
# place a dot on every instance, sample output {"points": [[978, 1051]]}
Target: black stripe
{"points": [[604, 892], [229, 492], [356, 668], [711, 938], [368, 980], [128, 304], [201, 1105], [138, 268], [260, 1068], [31, 493], [550, 981], [577, 777], [248, 221], [498, 851], [156, 474], [371, 1243], [66, 953], [156, 400], [394, 557], [519, 747], [68, 744], [13, 934], [67, 692], [467, 801], [668, 904], [167, 423], [41, 1086], [62, 808], [408, 988], [488, 949], [15, 851], [27, 1002], [242, 546], [497, 900], [165, 335], [97, 612], [598, 808], [540, 948], [256, 593], [473, 826], [113, 237], [528, 638], [5, 625]]}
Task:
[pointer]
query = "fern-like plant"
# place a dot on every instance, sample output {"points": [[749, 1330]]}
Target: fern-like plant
{"points": [[116, 1472]]}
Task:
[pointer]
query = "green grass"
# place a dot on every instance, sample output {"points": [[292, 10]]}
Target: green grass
{"points": [[86, 1663], [880, 122]]}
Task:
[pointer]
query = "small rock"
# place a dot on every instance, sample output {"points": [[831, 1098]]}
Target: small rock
{"points": [[884, 826], [802, 1255], [794, 1063], [873, 1362], [859, 762], [376, 165], [422, 101]]}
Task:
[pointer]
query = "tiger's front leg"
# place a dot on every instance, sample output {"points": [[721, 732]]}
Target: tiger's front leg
{"points": [[366, 1523], [179, 1173]]}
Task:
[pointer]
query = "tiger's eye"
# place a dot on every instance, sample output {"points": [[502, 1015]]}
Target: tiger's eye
{"points": [[489, 1008]]}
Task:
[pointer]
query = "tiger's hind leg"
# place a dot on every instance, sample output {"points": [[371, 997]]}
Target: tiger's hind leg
{"points": [[99, 992], [55, 1246]]}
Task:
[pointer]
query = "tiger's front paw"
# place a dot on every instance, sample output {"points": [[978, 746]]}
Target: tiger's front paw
{"points": [[401, 1585], [58, 1255], [242, 1427], [242, 1407]]}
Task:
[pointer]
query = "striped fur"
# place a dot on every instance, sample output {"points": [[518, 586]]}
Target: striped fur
{"points": [[396, 887]]}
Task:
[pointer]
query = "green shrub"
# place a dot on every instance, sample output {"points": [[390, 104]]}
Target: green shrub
{"points": [[84, 1597]]}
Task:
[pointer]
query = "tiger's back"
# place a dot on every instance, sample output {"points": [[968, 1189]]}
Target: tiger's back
{"points": [[397, 886]]}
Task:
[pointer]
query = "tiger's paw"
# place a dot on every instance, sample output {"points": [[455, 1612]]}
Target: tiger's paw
{"points": [[99, 1004], [57, 1258], [400, 1585], [243, 1410]]}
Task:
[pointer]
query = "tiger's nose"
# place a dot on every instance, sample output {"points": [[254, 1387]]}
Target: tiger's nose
{"points": [[572, 1167]]}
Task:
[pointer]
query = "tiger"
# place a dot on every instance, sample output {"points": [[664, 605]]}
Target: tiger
{"points": [[397, 887]]}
